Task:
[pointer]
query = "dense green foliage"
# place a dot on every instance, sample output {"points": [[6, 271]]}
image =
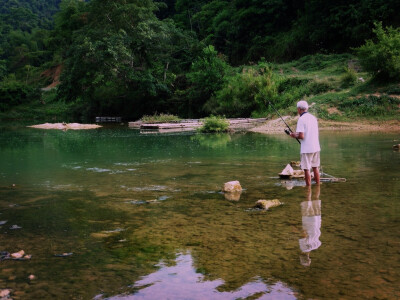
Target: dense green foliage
{"points": [[207, 76], [27, 15], [246, 92], [24, 48], [189, 58], [124, 59], [13, 93], [283, 29]]}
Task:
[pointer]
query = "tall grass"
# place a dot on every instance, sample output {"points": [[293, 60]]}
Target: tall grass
{"points": [[160, 118]]}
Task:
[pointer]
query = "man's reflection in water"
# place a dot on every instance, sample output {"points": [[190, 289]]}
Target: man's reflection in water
{"points": [[311, 219]]}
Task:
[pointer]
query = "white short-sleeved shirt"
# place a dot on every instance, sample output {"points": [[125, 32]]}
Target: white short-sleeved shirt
{"points": [[308, 124]]}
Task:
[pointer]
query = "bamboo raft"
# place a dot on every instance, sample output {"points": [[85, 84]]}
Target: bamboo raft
{"points": [[289, 173], [193, 124]]}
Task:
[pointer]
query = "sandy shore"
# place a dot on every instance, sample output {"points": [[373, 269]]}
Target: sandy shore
{"points": [[277, 126], [65, 126]]}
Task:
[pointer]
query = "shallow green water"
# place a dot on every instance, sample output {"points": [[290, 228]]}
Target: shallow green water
{"points": [[143, 216]]}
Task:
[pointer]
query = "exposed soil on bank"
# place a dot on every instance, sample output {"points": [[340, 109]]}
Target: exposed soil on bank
{"points": [[277, 126]]}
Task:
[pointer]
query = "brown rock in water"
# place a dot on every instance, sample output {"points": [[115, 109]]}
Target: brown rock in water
{"points": [[396, 147], [232, 186], [267, 204]]}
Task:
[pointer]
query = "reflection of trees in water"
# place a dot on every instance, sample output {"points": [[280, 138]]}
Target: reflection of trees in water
{"points": [[33, 139], [182, 281], [218, 140]]}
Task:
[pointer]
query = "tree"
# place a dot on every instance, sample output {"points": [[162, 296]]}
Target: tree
{"points": [[207, 76], [382, 57], [122, 59]]}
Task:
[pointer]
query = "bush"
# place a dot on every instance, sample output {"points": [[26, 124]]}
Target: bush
{"points": [[382, 58], [348, 78], [318, 87], [214, 124]]}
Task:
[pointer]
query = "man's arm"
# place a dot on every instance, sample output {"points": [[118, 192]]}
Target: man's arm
{"points": [[297, 135]]}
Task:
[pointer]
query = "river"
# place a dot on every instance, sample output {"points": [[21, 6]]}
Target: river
{"points": [[113, 213]]}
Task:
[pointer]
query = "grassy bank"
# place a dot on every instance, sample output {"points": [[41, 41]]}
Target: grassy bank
{"points": [[339, 90]]}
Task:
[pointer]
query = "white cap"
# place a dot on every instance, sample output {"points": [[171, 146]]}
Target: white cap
{"points": [[302, 104]]}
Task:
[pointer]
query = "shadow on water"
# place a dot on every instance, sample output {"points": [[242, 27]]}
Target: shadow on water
{"points": [[143, 215]]}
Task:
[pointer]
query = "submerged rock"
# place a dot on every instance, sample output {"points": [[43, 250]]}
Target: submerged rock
{"points": [[106, 233], [232, 186], [63, 254], [13, 227], [233, 196], [267, 204], [31, 277], [396, 147]]}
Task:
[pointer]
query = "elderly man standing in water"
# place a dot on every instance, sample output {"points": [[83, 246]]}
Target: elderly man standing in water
{"points": [[307, 132]]}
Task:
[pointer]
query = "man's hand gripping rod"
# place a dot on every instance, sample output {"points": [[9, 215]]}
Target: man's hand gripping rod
{"points": [[287, 131]]}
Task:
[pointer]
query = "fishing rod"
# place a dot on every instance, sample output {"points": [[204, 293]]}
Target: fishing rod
{"points": [[287, 131]]}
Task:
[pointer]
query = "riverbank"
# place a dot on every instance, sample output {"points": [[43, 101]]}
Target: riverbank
{"points": [[277, 126]]}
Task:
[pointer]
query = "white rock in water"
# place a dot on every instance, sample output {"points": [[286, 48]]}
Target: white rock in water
{"points": [[232, 186], [266, 204]]}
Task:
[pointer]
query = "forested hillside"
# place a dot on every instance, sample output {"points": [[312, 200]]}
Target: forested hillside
{"points": [[190, 58], [27, 15], [25, 27]]}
